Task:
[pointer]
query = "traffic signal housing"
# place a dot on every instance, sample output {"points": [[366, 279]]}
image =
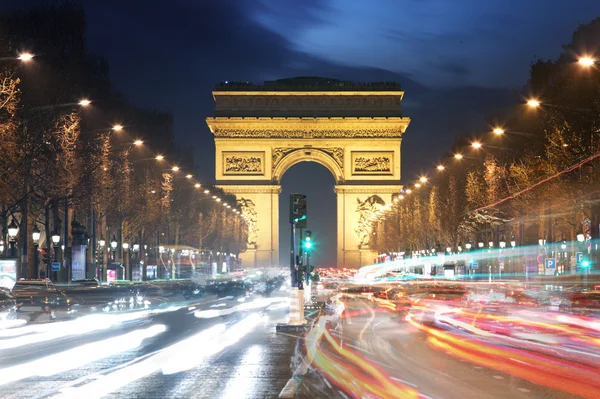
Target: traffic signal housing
{"points": [[298, 210]]}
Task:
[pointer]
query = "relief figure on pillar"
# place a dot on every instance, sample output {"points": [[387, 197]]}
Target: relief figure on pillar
{"points": [[249, 211], [366, 210], [243, 163]]}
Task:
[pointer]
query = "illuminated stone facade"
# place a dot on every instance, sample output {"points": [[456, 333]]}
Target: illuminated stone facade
{"points": [[355, 131]]}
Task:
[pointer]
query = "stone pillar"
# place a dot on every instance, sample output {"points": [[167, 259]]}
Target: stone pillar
{"points": [[260, 203], [355, 204]]}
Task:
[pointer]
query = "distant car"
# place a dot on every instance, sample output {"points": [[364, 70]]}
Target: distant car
{"points": [[41, 295], [90, 282]]}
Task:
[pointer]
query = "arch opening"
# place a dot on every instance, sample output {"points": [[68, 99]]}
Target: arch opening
{"points": [[317, 182], [309, 155]]}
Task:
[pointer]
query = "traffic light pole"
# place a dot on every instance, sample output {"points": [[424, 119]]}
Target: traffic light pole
{"points": [[293, 268], [297, 219]]}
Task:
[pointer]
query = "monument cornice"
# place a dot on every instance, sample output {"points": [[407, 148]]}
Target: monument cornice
{"points": [[367, 189], [254, 189], [316, 127]]}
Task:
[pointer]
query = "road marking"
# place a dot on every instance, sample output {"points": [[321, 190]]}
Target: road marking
{"points": [[291, 387], [523, 389], [498, 377]]}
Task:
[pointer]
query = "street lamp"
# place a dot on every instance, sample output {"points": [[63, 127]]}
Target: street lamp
{"points": [[491, 244], [498, 130], [55, 238], [159, 157], [101, 242], [468, 245], [423, 179], [25, 57], [13, 230], [502, 242], [563, 244], [441, 167], [84, 102], [36, 235], [125, 246], [476, 145], [533, 103], [114, 243], [458, 156], [580, 237], [138, 142], [117, 128], [480, 244], [586, 61]]}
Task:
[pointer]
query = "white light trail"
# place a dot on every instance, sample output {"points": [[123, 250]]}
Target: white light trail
{"points": [[79, 356]]}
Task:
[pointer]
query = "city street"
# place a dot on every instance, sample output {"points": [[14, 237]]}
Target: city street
{"points": [[405, 364], [175, 353]]}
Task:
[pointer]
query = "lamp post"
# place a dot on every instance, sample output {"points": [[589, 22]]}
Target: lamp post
{"points": [[136, 251], [55, 241], [13, 230], [126, 260], [101, 245], [35, 235], [113, 248]]}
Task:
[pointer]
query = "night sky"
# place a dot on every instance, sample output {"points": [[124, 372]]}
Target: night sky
{"points": [[457, 61]]}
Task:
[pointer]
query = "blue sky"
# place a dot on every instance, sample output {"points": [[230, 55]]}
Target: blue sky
{"points": [[436, 42]]}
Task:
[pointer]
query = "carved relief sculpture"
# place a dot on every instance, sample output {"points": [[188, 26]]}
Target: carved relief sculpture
{"points": [[243, 163], [248, 209], [366, 209], [372, 163]]}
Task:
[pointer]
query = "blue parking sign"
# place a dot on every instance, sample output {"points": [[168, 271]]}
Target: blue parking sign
{"points": [[550, 263], [578, 257]]}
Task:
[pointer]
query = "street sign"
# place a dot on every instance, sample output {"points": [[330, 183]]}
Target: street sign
{"points": [[55, 266], [540, 259], [550, 265], [475, 265], [578, 257]]}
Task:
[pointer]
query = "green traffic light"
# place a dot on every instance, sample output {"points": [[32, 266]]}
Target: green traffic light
{"points": [[585, 263], [308, 245]]}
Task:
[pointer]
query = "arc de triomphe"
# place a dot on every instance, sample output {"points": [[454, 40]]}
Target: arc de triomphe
{"points": [[354, 130]]}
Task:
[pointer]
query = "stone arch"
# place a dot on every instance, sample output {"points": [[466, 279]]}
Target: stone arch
{"points": [[308, 155]]}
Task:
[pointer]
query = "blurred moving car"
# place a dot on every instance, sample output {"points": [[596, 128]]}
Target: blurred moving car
{"points": [[586, 303], [42, 296], [8, 305]]}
